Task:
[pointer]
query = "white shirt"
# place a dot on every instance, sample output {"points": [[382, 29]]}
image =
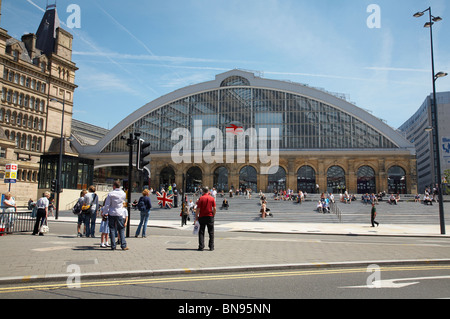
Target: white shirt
{"points": [[89, 200], [42, 203], [114, 203]]}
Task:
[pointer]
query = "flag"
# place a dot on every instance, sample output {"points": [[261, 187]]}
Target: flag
{"points": [[164, 200]]}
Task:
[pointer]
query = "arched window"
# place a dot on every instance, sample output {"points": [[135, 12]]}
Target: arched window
{"points": [[166, 177], [306, 179], [277, 181], [248, 178], [235, 81], [221, 179], [194, 179], [396, 180], [336, 180], [39, 144], [366, 180]]}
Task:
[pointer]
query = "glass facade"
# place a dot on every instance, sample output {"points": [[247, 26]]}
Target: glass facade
{"points": [[303, 123], [313, 129], [77, 173]]}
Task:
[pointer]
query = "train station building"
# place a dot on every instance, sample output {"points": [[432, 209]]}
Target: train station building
{"points": [[225, 133]]}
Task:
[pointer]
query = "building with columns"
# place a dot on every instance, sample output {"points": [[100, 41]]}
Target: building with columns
{"points": [[225, 133], [37, 75]]}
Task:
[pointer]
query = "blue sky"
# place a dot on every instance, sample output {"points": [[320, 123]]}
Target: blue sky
{"points": [[132, 52]]}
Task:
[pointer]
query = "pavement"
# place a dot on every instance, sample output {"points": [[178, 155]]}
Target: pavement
{"points": [[170, 249]]}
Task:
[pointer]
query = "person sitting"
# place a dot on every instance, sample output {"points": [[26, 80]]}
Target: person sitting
{"points": [[225, 204], [392, 200], [417, 198], [427, 200], [320, 207]]}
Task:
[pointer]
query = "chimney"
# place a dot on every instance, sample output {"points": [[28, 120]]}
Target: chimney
{"points": [[30, 43]]}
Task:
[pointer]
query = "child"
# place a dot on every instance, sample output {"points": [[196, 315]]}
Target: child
{"points": [[104, 229]]}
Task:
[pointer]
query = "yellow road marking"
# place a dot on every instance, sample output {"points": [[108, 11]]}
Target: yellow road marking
{"points": [[162, 280]]}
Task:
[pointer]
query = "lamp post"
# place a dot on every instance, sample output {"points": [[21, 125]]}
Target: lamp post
{"points": [[61, 151], [434, 114]]}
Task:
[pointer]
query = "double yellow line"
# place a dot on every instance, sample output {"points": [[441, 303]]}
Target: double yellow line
{"points": [[179, 279]]}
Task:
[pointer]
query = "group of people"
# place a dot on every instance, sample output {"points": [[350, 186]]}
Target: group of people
{"points": [[114, 214], [323, 206]]}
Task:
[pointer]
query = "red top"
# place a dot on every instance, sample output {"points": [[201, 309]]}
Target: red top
{"points": [[206, 204]]}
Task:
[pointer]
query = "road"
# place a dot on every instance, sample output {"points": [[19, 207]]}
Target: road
{"points": [[394, 282]]}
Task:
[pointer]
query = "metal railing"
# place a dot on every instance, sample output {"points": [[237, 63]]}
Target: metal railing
{"points": [[19, 221], [336, 210]]}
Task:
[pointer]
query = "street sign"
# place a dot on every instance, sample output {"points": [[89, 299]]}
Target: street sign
{"points": [[11, 173]]}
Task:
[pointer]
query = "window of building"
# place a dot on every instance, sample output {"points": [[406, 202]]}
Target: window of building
{"points": [[336, 180], [366, 182], [306, 180], [248, 178]]}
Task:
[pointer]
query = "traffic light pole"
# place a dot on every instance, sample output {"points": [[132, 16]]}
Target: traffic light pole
{"points": [[130, 181], [140, 163]]}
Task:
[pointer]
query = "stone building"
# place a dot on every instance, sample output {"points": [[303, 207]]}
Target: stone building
{"points": [[37, 77]]}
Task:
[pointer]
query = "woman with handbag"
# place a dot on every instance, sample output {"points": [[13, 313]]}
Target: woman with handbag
{"points": [[90, 209], [42, 214]]}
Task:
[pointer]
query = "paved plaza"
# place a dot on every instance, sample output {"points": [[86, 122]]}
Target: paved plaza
{"points": [[295, 237]]}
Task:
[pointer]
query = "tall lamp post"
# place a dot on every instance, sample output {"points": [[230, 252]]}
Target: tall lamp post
{"points": [[61, 152], [434, 115]]}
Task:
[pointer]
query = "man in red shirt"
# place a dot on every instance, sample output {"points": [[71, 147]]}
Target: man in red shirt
{"points": [[205, 213]]}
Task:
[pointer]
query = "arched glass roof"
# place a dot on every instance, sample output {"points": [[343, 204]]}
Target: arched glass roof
{"points": [[307, 119]]}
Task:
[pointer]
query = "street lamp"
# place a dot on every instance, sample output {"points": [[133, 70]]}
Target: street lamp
{"points": [[61, 151], [434, 114]]}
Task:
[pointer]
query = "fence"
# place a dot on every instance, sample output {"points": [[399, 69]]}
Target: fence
{"points": [[20, 221], [337, 211]]}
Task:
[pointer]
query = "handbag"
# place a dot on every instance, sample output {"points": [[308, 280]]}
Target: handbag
{"points": [[44, 228], [86, 209], [196, 228]]}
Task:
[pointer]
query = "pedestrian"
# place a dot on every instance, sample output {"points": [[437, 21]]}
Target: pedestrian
{"points": [[9, 208], [80, 216], [90, 215], [42, 213], [144, 205], [104, 229], [205, 213], [184, 213], [373, 215], [114, 210]]}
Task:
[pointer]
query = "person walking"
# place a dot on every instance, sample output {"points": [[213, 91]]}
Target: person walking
{"points": [[42, 213], [90, 216], [144, 205], [373, 215], [205, 213], [80, 216], [114, 210]]}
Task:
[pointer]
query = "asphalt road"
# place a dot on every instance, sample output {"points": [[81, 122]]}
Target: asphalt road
{"points": [[392, 282]]}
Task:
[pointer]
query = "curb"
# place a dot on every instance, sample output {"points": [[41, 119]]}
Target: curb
{"points": [[187, 271]]}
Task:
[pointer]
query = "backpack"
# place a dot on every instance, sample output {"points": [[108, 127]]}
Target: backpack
{"points": [[141, 205], [76, 210]]}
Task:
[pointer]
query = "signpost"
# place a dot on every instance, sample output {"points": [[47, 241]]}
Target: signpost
{"points": [[11, 174]]}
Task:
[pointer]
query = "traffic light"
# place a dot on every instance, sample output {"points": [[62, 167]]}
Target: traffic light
{"points": [[54, 186], [142, 153]]}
